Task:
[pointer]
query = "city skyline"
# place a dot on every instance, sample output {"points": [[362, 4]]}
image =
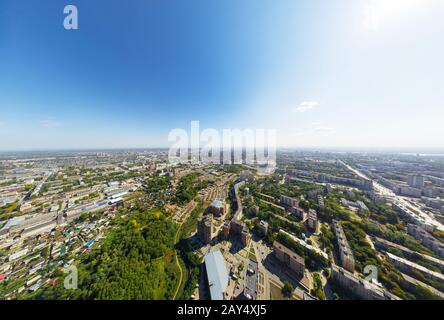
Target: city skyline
{"points": [[343, 74]]}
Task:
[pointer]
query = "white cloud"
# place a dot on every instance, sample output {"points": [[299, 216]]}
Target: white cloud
{"points": [[306, 106], [50, 123]]}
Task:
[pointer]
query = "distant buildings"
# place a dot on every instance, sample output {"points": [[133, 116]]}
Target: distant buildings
{"points": [[358, 204], [430, 192], [411, 267], [408, 191], [383, 244], [415, 181], [18, 254], [28, 225], [246, 176], [26, 207], [416, 186], [435, 203], [312, 194], [412, 216], [426, 239], [364, 184], [345, 253]]}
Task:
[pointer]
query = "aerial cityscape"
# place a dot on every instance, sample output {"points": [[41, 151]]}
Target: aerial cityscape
{"points": [[137, 227], [229, 150]]}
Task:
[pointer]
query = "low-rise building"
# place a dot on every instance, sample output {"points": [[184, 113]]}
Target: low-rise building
{"points": [[292, 260], [426, 239], [217, 275], [413, 268], [26, 207], [217, 208], [413, 217], [361, 288], [305, 244], [409, 191]]}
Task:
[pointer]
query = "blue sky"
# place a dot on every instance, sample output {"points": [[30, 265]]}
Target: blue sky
{"points": [[342, 73]]}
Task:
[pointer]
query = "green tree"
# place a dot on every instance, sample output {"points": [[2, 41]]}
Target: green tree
{"points": [[287, 289]]}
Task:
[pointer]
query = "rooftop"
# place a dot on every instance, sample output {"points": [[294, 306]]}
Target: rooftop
{"points": [[217, 274], [217, 204]]}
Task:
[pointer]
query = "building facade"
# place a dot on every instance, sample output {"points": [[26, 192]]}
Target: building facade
{"points": [[290, 259], [345, 253], [205, 229]]}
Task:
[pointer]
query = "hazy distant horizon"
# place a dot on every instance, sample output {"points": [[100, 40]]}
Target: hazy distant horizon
{"points": [[438, 151]]}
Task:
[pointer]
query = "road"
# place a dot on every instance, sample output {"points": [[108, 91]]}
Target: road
{"points": [[402, 200]]}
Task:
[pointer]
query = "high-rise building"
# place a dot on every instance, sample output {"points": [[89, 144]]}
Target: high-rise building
{"points": [[346, 255], [313, 222], [205, 228], [226, 230], [263, 227], [245, 237], [415, 181]]}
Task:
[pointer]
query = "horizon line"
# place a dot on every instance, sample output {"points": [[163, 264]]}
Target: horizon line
{"points": [[314, 148]]}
